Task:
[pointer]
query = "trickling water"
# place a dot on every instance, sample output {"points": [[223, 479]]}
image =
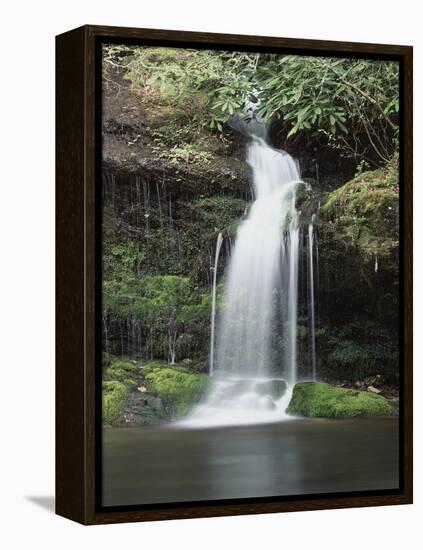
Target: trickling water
{"points": [[311, 298], [160, 205], [216, 259], [262, 275], [170, 212]]}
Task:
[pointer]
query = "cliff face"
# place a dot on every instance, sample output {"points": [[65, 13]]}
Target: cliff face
{"points": [[169, 188], [359, 281], [146, 136]]}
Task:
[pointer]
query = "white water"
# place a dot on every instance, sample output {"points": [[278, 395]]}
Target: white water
{"points": [[265, 257], [235, 402], [262, 279], [311, 298], [213, 316]]}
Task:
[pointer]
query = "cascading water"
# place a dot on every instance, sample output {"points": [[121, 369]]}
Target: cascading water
{"points": [[262, 279], [312, 322], [254, 271], [213, 316]]}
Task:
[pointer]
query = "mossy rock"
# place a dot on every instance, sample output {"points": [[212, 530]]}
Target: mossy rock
{"points": [[364, 212], [316, 399], [274, 388], [115, 397], [119, 382], [176, 386]]}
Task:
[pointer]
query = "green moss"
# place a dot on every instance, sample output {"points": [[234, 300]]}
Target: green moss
{"points": [[222, 213], [178, 388], [364, 212], [116, 388], [115, 396], [122, 371], [315, 399]]}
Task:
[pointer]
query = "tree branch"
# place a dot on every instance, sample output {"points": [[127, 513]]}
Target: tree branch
{"points": [[369, 98]]}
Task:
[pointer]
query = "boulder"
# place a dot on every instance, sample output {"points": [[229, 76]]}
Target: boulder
{"points": [[176, 387], [316, 399], [376, 381], [142, 410]]}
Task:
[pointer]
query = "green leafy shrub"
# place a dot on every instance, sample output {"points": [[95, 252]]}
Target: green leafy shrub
{"points": [[351, 104], [316, 399]]}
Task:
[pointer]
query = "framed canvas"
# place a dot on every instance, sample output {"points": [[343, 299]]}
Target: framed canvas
{"points": [[234, 275]]}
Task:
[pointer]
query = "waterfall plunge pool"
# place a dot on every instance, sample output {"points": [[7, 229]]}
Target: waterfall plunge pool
{"points": [[168, 464]]}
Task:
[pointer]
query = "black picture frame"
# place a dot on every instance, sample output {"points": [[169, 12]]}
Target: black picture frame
{"points": [[78, 233]]}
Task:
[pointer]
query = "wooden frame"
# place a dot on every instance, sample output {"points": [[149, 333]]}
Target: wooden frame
{"points": [[77, 264]]}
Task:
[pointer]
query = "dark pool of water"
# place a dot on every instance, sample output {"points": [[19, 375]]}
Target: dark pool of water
{"points": [[304, 456]]}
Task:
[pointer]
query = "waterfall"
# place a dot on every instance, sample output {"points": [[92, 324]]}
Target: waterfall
{"points": [[254, 273], [311, 316], [262, 278], [213, 315], [291, 328]]}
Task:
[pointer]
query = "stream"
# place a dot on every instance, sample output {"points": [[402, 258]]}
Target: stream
{"points": [[301, 456]]}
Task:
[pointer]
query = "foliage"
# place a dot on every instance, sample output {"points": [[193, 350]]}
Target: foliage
{"points": [[186, 153], [121, 263], [178, 388], [358, 348], [118, 381], [183, 144], [211, 86], [350, 104], [167, 305], [353, 102], [316, 399], [122, 371]]}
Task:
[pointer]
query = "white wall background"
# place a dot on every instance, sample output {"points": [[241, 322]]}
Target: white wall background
{"points": [[27, 272]]}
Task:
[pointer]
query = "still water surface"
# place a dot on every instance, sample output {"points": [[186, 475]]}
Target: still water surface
{"points": [[302, 456]]}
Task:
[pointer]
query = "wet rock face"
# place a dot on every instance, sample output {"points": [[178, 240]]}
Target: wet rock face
{"points": [[358, 288], [143, 409], [224, 174], [139, 139]]}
